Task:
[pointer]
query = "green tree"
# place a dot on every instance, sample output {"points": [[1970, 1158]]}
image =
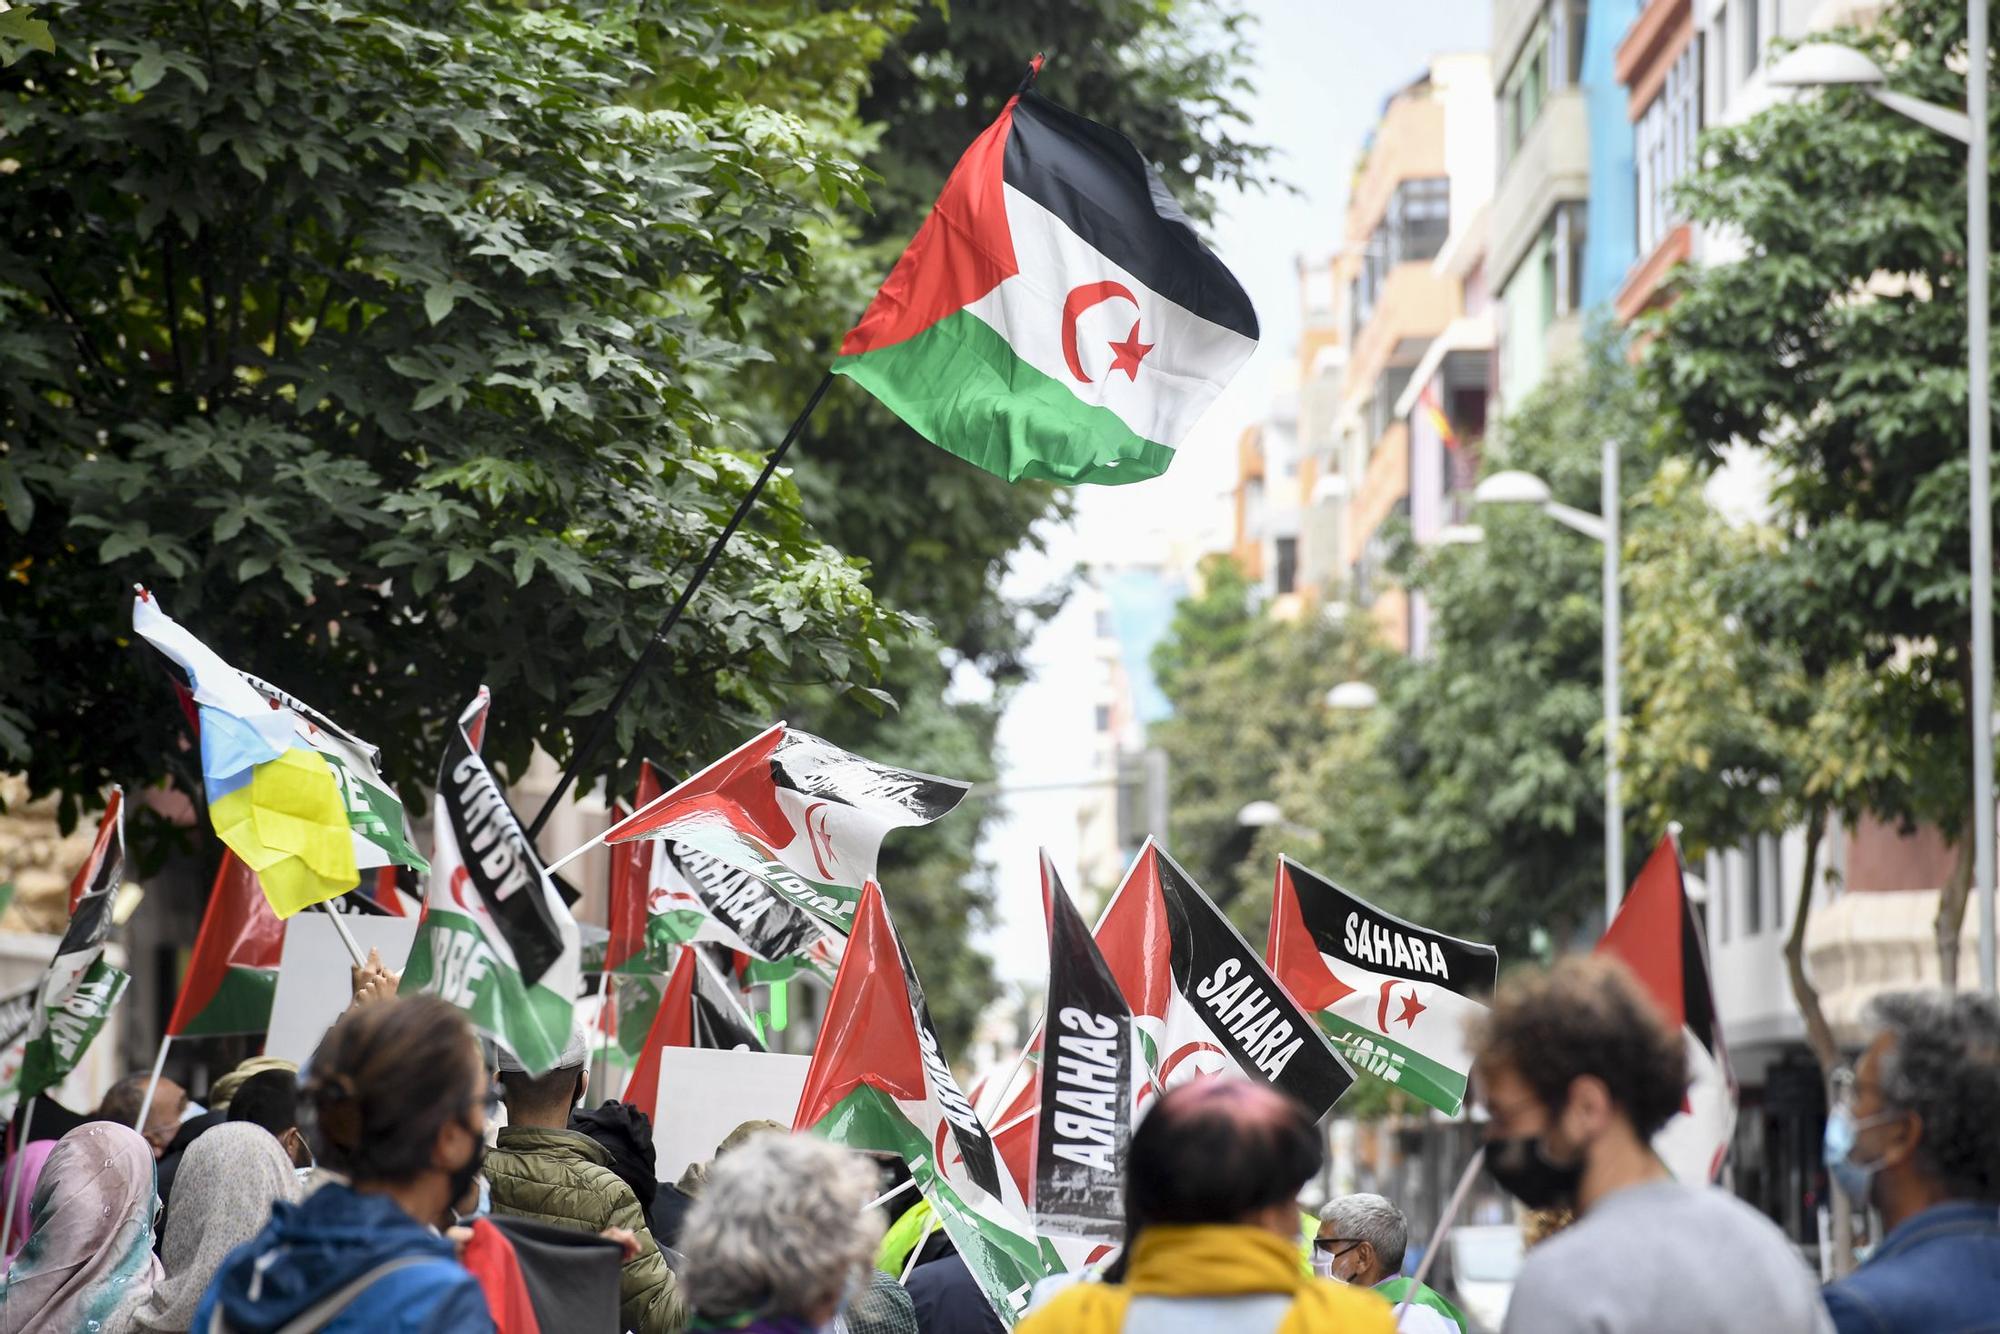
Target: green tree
{"points": [[1836, 344], [377, 341]]}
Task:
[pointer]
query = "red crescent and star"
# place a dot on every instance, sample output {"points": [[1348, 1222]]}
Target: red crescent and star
{"points": [[1126, 354], [1412, 1007]]}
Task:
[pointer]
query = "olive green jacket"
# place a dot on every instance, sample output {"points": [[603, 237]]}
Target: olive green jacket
{"points": [[564, 1177]]}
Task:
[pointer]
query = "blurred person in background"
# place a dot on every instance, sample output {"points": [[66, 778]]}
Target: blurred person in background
{"points": [[1212, 1224], [234, 1175], [270, 1101], [397, 1098], [779, 1240], [163, 1119], [1578, 1070], [1915, 1133], [1362, 1239], [89, 1260]]}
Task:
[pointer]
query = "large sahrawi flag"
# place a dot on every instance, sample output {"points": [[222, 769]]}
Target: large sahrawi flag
{"points": [[697, 899], [698, 1009], [300, 800], [496, 939], [1395, 996], [878, 1081], [1201, 998], [80, 987], [801, 814], [1655, 933], [1089, 1089], [1056, 315]]}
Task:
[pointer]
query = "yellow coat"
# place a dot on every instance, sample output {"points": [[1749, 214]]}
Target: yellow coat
{"points": [[1214, 1261]]}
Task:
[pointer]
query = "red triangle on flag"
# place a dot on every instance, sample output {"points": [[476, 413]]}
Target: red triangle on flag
{"points": [[1293, 956], [738, 788], [108, 827], [238, 930], [673, 1026], [1646, 933], [869, 1035], [631, 871]]}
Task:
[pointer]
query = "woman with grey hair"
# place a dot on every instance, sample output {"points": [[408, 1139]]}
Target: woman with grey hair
{"points": [[781, 1238]]}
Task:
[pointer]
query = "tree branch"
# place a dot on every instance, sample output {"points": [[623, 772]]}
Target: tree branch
{"points": [[1819, 1033]]}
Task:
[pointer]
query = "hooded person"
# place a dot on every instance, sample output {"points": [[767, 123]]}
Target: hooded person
{"points": [[89, 1262], [234, 1175], [541, 1169], [398, 1098]]}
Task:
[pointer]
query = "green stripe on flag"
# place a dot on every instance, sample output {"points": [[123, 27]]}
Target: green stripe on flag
{"points": [[961, 387], [241, 1004], [1366, 1050]]}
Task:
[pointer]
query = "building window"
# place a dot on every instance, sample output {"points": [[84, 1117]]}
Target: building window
{"points": [[1523, 91], [1719, 59], [1569, 19], [1104, 717], [1389, 387], [1753, 37], [1663, 145], [1419, 219], [1288, 565], [1753, 887], [1105, 629]]}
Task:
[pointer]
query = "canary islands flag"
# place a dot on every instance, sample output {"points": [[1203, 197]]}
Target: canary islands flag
{"points": [[297, 798]]}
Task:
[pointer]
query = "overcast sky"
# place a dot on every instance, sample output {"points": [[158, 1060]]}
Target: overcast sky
{"points": [[1323, 69]]}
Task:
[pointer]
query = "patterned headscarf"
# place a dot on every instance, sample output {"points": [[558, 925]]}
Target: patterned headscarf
{"points": [[27, 1165], [89, 1262], [222, 1198]]}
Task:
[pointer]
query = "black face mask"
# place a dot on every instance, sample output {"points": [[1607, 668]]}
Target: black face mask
{"points": [[462, 1177], [1522, 1168]]}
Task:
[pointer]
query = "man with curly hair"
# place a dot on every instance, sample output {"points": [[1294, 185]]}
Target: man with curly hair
{"points": [[1915, 1132], [1577, 1070]]}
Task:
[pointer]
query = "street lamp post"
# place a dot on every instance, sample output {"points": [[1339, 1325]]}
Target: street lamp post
{"points": [[1520, 488], [1825, 64]]}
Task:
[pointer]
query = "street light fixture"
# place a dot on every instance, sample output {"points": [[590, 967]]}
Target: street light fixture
{"points": [[1260, 815], [1353, 697], [1522, 488], [1823, 65]]}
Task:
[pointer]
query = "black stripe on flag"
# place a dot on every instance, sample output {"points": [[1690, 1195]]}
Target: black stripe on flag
{"points": [[1347, 926], [1094, 180]]}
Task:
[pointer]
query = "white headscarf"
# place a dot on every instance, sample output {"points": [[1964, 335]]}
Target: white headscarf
{"points": [[222, 1198]]}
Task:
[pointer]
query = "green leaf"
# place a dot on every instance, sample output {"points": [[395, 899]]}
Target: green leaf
{"points": [[457, 565]]}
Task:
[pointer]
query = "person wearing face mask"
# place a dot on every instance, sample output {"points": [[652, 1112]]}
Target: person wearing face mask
{"points": [[1577, 1070], [1361, 1241], [1915, 1133], [543, 1170], [398, 1099], [779, 1240]]}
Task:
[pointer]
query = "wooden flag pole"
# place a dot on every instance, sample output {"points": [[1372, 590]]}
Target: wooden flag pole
{"points": [[153, 1084], [14, 1186], [601, 732]]}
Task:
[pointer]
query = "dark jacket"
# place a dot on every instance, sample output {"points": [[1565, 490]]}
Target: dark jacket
{"points": [[948, 1300], [626, 1133], [564, 1177], [1938, 1273], [313, 1248]]}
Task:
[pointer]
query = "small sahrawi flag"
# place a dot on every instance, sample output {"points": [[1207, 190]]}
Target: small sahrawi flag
{"points": [[1656, 935], [699, 900], [232, 977], [1395, 996], [496, 939], [80, 988], [1088, 1083], [878, 1081], [698, 1009], [801, 814], [296, 797], [1056, 315]]}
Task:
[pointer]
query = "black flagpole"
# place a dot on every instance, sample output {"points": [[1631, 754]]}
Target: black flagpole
{"points": [[600, 733]]}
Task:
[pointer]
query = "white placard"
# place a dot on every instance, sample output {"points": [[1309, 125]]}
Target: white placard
{"points": [[705, 1094], [313, 982]]}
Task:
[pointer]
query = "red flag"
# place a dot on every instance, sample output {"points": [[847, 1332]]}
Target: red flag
{"points": [[1656, 935], [631, 872], [697, 1010], [234, 971]]}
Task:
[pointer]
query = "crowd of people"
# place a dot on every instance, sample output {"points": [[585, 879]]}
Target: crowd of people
{"points": [[368, 1193]]}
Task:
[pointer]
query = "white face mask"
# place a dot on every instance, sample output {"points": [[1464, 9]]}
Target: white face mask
{"points": [[1322, 1265]]}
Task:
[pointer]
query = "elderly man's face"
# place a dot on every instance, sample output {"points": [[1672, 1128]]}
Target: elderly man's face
{"points": [[163, 1120]]}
